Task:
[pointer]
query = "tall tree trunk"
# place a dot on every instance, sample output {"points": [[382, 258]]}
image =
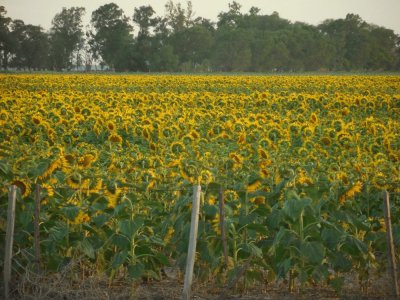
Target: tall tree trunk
{"points": [[5, 60]]}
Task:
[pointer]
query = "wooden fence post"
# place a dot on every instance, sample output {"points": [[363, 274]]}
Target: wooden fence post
{"points": [[192, 243], [222, 224], [12, 196], [390, 247], [37, 228]]}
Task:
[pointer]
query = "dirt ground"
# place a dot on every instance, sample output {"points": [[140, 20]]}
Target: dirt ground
{"points": [[58, 286]]}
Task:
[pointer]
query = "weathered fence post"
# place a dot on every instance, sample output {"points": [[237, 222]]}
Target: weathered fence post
{"points": [[222, 224], [12, 195], [192, 242], [390, 246], [37, 228]]}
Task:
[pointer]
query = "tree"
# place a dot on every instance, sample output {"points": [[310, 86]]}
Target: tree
{"points": [[145, 44], [177, 17], [232, 50], [66, 36], [16, 37], [145, 19], [164, 60], [382, 49], [34, 47], [193, 46], [5, 39], [231, 18], [112, 39]]}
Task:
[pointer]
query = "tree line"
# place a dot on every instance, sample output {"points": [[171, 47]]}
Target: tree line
{"points": [[237, 42]]}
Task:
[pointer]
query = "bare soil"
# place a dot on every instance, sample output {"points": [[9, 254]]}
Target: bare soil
{"points": [[64, 287]]}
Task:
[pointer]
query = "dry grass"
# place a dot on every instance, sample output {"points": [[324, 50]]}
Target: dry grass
{"points": [[79, 281]]}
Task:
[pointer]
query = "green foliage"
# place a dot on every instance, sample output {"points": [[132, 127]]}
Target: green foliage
{"points": [[237, 42]]}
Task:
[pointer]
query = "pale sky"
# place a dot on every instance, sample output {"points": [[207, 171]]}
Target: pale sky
{"points": [[380, 12]]}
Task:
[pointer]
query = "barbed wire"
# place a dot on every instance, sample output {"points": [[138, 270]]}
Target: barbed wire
{"points": [[216, 188]]}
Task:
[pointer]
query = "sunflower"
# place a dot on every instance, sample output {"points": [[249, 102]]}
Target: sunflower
{"points": [[206, 177], [112, 195], [236, 157], [212, 200], [379, 181], [188, 172], [37, 119], [111, 126], [48, 188], [146, 132], [169, 234], [194, 134], [326, 141], [242, 138], [96, 185], [253, 186], [350, 193], [274, 135], [87, 160], [304, 179], [177, 148], [24, 186], [187, 139], [258, 200], [81, 218], [230, 195], [167, 132], [50, 169], [153, 146], [263, 154], [115, 138], [74, 182], [314, 118]]}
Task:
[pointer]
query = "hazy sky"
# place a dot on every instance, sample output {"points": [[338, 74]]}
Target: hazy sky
{"points": [[380, 12]]}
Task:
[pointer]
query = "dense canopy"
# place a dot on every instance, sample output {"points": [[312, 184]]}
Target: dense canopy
{"points": [[139, 40]]}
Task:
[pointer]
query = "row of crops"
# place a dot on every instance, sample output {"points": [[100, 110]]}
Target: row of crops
{"points": [[301, 162]]}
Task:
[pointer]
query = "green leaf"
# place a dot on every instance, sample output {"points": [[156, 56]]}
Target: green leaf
{"points": [[256, 251], [144, 250], [25, 217], [337, 283], [340, 262], [70, 212], [136, 271], [87, 248], [210, 210], [263, 211], [246, 219], [314, 252], [100, 220], [130, 227], [258, 228], [293, 208], [118, 259], [283, 236], [121, 241], [58, 232], [354, 247], [4, 169], [283, 267], [162, 259], [396, 235], [41, 167], [331, 237], [275, 219]]}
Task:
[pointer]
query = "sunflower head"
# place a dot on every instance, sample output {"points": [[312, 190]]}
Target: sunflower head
{"points": [[115, 138], [24, 186], [37, 119], [111, 126]]}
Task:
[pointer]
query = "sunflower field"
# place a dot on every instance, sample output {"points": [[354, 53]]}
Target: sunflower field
{"points": [[301, 162]]}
